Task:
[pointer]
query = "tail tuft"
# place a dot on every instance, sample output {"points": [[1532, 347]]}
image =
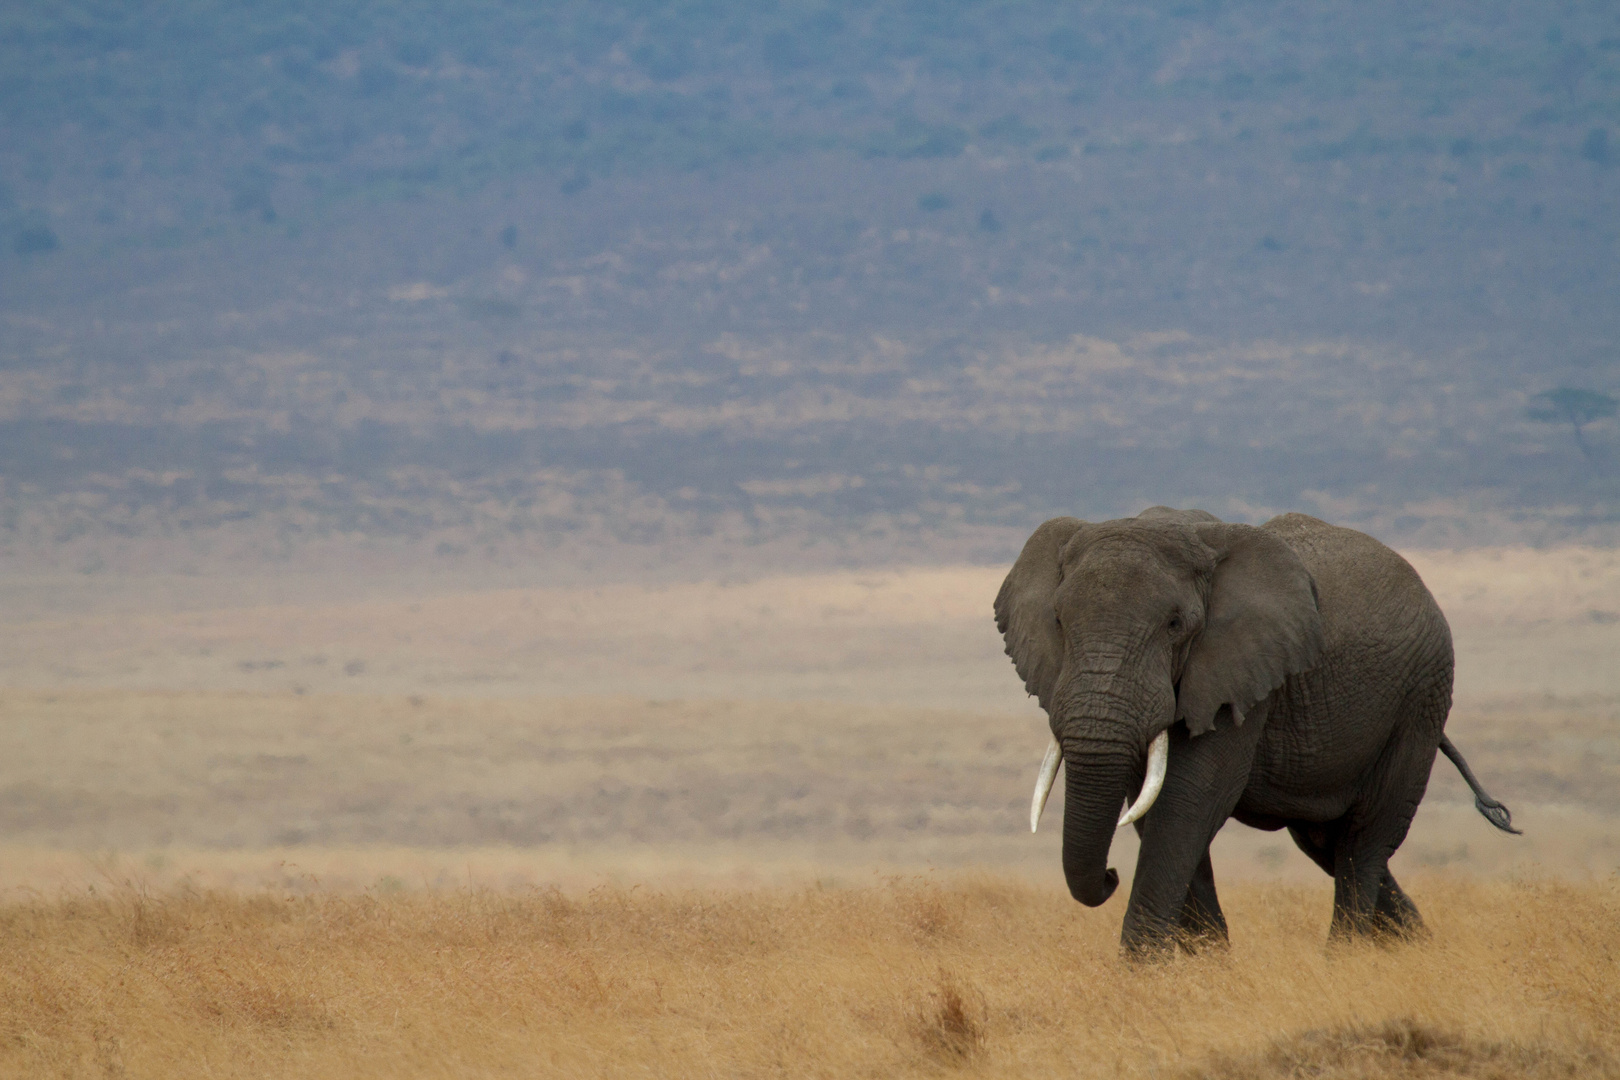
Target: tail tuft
{"points": [[1493, 811], [1497, 814]]}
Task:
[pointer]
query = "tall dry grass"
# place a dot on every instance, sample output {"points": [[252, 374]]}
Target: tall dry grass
{"points": [[915, 977]]}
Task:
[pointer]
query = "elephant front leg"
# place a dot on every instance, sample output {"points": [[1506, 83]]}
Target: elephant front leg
{"points": [[1202, 923], [1173, 893]]}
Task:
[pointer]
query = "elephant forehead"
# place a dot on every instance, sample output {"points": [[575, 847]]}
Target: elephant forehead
{"points": [[1125, 579], [1138, 548]]}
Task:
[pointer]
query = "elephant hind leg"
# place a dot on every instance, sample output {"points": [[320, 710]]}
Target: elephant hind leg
{"points": [[1395, 911], [1366, 899]]}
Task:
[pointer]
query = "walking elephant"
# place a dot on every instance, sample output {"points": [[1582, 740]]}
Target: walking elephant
{"points": [[1293, 675]]}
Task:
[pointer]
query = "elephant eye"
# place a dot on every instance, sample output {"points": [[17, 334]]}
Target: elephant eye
{"points": [[1175, 623]]}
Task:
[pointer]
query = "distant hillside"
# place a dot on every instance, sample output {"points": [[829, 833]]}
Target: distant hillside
{"points": [[878, 282], [389, 98]]}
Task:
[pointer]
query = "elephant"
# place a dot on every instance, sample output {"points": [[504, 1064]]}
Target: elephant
{"points": [[1294, 675]]}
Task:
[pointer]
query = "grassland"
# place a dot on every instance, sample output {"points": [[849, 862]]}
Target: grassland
{"points": [[975, 976], [770, 827]]}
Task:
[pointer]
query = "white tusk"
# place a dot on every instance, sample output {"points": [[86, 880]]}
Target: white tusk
{"points": [[1158, 762], [1043, 783]]}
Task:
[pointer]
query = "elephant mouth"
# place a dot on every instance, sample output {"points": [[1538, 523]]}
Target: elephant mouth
{"points": [[1157, 764]]}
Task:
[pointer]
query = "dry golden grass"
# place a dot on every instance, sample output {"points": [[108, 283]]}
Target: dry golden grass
{"points": [[974, 976]]}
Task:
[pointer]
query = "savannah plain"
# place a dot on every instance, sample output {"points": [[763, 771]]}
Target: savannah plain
{"points": [[771, 826], [540, 369]]}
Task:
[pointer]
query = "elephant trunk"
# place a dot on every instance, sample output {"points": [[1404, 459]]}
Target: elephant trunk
{"points": [[1099, 776]]}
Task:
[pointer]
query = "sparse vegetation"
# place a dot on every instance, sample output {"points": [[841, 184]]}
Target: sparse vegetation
{"points": [[910, 977]]}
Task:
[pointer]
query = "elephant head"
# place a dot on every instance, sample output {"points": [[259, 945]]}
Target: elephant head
{"points": [[1124, 628]]}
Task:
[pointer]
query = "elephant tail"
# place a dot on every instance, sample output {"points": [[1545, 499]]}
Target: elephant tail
{"points": [[1494, 812]]}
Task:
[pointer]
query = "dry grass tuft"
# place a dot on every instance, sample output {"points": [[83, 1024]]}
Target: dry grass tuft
{"points": [[908, 977], [946, 1026], [1406, 1048]]}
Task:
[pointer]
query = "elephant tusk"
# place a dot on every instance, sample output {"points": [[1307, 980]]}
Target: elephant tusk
{"points": [[1158, 762], [1043, 783]]}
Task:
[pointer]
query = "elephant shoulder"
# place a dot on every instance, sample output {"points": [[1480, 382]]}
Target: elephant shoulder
{"points": [[1361, 581], [1326, 548], [1301, 527], [1320, 546], [1334, 547]]}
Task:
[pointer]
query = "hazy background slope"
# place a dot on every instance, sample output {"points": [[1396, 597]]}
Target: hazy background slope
{"points": [[700, 286]]}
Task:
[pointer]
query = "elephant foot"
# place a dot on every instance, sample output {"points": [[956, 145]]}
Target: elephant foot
{"points": [[1375, 931], [1207, 939], [1147, 953], [1395, 911], [1201, 929], [1378, 929], [1393, 920], [1175, 939], [1147, 939], [1177, 943]]}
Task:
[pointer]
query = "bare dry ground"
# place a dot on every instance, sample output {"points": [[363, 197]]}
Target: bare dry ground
{"points": [[911, 636], [975, 976], [1526, 622], [231, 788]]}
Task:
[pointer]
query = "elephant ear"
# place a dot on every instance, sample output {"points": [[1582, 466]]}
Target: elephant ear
{"points": [[1024, 612], [1261, 626]]}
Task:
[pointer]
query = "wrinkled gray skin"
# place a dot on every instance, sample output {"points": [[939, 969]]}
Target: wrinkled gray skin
{"points": [[1302, 670]]}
